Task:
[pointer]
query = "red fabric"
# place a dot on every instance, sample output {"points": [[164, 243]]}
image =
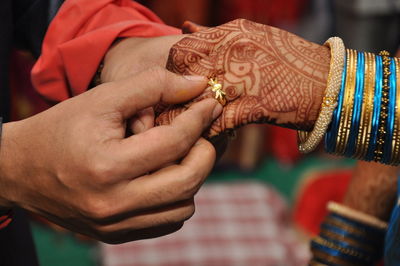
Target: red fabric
{"points": [[322, 187], [282, 143], [80, 35]]}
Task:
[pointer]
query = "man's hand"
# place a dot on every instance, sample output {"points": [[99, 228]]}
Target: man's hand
{"points": [[268, 75], [130, 56], [74, 164]]}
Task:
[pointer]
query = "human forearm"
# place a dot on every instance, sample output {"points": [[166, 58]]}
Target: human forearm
{"points": [[74, 164], [372, 189]]}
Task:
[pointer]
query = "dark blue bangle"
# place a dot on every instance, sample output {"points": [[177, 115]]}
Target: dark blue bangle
{"points": [[337, 253], [359, 225]]}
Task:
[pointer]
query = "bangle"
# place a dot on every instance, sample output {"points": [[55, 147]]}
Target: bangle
{"points": [[355, 116], [387, 149], [383, 114], [5, 218], [348, 237], [364, 130], [396, 135], [345, 119], [357, 215], [309, 141], [330, 137]]}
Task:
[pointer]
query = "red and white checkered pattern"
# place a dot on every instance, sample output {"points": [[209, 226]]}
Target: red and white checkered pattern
{"points": [[235, 224]]}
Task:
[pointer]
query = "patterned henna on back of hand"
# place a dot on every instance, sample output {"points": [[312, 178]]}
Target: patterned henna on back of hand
{"points": [[268, 75]]}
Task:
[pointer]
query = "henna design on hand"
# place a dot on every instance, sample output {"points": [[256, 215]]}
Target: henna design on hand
{"points": [[268, 75]]}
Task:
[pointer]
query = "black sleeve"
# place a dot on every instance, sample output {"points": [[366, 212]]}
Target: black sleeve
{"points": [[30, 22]]}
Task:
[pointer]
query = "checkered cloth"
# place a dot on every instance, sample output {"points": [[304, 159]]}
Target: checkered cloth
{"points": [[234, 224]]}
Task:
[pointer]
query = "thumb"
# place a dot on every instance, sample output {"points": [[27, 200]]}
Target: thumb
{"points": [[150, 87]]}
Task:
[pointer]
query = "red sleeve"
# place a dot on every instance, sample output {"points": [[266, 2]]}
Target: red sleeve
{"points": [[80, 35]]}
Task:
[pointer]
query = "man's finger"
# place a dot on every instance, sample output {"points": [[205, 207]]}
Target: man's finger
{"points": [[167, 215], [158, 146], [150, 87], [169, 185], [132, 235], [142, 121]]}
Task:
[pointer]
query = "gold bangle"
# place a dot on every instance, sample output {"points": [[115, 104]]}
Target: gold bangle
{"points": [[329, 101], [366, 111], [348, 101], [345, 239], [383, 114], [396, 135], [335, 260]]}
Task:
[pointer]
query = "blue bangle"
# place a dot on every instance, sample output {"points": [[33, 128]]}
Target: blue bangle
{"points": [[358, 99], [376, 109], [337, 253], [361, 226]]}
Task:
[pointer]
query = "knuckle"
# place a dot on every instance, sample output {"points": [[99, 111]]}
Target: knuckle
{"points": [[184, 144], [192, 181], [158, 74], [102, 171], [239, 20], [188, 212], [208, 150], [180, 140], [97, 209]]}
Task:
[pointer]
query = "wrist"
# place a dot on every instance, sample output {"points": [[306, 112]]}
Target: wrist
{"points": [[319, 85], [9, 166], [311, 90], [133, 55]]}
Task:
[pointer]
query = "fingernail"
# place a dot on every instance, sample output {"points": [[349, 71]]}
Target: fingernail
{"points": [[217, 111], [195, 78], [138, 127]]}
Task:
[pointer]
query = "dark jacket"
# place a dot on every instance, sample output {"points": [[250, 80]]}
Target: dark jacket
{"points": [[23, 24]]}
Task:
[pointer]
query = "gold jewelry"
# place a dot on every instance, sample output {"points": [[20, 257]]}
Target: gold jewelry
{"points": [[396, 135], [384, 107], [217, 89], [348, 101], [364, 134], [329, 101], [331, 245], [335, 260], [345, 239]]}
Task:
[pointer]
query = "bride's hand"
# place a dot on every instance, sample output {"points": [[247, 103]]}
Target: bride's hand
{"points": [[268, 75]]}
